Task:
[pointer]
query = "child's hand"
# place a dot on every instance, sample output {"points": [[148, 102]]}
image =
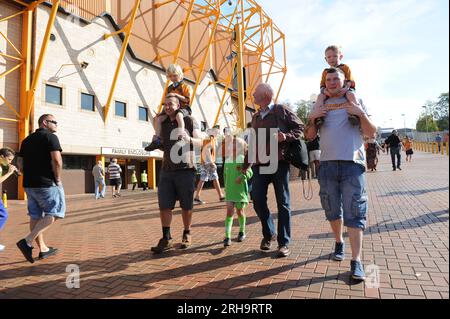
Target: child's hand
{"points": [[12, 169], [327, 93], [239, 180]]}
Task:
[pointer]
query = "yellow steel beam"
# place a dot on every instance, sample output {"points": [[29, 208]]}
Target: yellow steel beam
{"points": [[160, 4], [8, 119], [25, 83], [9, 106], [10, 43], [11, 16], [127, 31], [205, 56], [225, 91], [178, 49], [11, 70], [42, 54], [240, 77], [10, 57]]}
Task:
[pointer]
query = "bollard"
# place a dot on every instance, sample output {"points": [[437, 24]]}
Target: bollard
{"points": [[5, 199]]}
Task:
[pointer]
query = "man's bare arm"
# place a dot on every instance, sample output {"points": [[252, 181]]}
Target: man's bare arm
{"points": [[57, 165]]}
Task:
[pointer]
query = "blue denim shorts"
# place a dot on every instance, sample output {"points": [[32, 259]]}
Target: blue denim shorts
{"points": [[343, 192], [48, 201]]}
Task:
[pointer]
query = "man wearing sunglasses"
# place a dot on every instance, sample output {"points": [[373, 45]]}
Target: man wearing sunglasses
{"points": [[40, 161]]}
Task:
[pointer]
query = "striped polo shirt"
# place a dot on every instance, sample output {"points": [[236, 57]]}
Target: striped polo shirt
{"points": [[114, 171]]}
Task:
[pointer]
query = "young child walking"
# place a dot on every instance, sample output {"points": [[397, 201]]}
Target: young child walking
{"points": [[236, 187], [183, 92], [6, 157]]}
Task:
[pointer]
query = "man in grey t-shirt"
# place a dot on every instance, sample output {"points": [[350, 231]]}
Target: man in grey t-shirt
{"points": [[342, 168], [99, 179]]}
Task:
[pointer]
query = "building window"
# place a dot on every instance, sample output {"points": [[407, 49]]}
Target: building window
{"points": [[121, 109], [87, 102], [203, 126], [53, 94], [80, 162], [143, 113]]}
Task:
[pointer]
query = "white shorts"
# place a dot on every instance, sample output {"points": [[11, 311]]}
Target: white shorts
{"points": [[314, 156]]}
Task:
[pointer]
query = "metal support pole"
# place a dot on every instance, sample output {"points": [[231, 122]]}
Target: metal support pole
{"points": [[127, 31], [240, 76]]}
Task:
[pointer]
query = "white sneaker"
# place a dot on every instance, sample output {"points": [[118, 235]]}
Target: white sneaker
{"points": [[2, 247]]}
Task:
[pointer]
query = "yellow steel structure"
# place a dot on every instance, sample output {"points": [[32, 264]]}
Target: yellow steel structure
{"points": [[259, 37], [127, 31], [28, 83], [257, 42]]}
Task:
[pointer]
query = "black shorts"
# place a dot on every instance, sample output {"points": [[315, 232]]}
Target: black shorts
{"points": [[115, 182], [176, 185], [409, 152]]}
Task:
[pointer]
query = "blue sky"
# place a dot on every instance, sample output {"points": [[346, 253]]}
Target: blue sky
{"points": [[398, 50]]}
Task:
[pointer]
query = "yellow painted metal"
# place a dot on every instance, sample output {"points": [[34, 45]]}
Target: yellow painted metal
{"points": [[240, 76], [205, 56], [8, 119], [11, 16], [177, 51], [46, 40], [127, 30], [10, 43], [10, 57], [10, 106], [151, 169], [225, 91], [11, 70]]}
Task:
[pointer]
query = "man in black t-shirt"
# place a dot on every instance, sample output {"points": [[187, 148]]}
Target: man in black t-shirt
{"points": [[40, 161], [395, 145]]}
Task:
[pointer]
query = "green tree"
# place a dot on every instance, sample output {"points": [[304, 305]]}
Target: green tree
{"points": [[303, 108], [424, 121], [440, 112]]}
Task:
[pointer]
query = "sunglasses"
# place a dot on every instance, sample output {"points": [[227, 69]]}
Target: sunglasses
{"points": [[54, 122]]}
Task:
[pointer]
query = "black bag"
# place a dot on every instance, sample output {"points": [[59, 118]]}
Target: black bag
{"points": [[296, 152]]}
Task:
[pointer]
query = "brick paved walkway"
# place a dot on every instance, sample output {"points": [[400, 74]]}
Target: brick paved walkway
{"points": [[110, 240]]}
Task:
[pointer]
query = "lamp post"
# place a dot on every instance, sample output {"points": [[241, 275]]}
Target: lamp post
{"points": [[426, 119], [404, 125]]}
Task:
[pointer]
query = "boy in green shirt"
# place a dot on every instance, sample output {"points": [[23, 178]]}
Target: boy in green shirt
{"points": [[236, 187]]}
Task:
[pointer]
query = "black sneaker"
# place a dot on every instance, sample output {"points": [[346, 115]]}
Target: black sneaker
{"points": [[339, 251], [52, 251], [241, 237], [186, 241], [26, 250], [198, 201], [399, 168], [226, 242], [265, 244], [156, 144], [163, 245]]}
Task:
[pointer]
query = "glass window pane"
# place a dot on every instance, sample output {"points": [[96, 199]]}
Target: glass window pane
{"points": [[87, 102], [121, 109], [53, 95], [143, 114]]}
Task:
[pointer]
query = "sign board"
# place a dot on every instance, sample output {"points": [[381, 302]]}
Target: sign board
{"points": [[129, 152]]}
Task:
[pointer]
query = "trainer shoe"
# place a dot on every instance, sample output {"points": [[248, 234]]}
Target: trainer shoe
{"points": [[241, 237], [339, 251], [26, 250], [227, 242], [357, 270], [186, 241], [52, 251], [163, 245]]}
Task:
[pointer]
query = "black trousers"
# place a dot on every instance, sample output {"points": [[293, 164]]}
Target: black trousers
{"points": [[395, 152]]}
